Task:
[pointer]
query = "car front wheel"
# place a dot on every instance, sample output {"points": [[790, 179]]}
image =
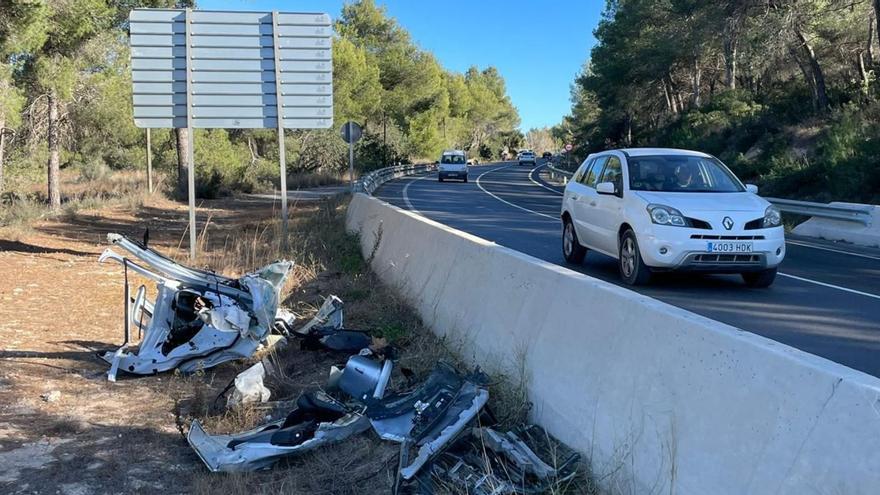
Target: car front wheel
{"points": [[571, 248], [760, 279], [633, 270]]}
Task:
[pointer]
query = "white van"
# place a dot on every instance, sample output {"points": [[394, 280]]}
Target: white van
{"points": [[453, 165]]}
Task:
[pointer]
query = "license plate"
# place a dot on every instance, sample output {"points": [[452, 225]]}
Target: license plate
{"points": [[452, 174], [729, 247]]}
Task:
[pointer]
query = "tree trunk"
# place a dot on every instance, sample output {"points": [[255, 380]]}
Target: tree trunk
{"points": [[697, 81], [816, 71], [670, 105], [730, 45], [2, 150], [863, 73], [871, 41], [182, 135], [877, 15], [53, 165]]}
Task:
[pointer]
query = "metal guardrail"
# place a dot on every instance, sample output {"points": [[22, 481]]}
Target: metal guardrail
{"points": [[855, 213], [371, 181]]}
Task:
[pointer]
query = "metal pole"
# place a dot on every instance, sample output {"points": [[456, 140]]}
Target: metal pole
{"points": [[190, 152], [279, 105], [351, 156], [149, 163]]}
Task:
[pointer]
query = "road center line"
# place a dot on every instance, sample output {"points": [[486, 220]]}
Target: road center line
{"points": [[502, 200], [822, 248], [531, 173], [831, 286]]}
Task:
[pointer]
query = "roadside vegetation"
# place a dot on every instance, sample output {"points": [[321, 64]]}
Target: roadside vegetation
{"points": [[66, 107], [784, 92]]}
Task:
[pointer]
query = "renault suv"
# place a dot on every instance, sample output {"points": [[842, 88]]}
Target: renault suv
{"points": [[660, 210]]}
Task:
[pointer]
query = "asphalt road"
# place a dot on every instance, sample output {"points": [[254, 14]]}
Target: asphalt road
{"points": [[825, 301]]}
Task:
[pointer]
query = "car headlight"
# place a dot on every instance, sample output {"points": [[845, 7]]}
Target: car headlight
{"points": [[772, 217], [665, 215]]}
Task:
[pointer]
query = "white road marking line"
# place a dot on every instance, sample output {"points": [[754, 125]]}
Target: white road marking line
{"points": [[532, 171], [406, 201], [831, 286], [508, 202], [823, 248]]}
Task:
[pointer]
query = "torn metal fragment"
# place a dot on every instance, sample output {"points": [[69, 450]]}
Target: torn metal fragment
{"points": [[432, 416], [364, 378], [329, 315], [318, 420]]}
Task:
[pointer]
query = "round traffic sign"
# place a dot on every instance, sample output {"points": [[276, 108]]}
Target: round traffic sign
{"points": [[351, 132], [568, 147]]}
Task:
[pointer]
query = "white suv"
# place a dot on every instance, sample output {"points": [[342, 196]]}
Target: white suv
{"points": [[662, 210]]}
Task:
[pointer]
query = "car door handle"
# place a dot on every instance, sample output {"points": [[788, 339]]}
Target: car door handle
{"points": [[574, 197], [592, 203]]}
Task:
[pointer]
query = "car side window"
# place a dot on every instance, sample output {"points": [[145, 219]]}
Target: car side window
{"points": [[583, 169], [590, 178], [613, 172]]}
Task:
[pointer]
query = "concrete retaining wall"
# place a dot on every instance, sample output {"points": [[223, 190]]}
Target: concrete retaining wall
{"points": [[661, 400], [839, 230]]}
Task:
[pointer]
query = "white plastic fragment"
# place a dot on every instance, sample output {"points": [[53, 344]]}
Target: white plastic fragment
{"points": [[249, 387]]}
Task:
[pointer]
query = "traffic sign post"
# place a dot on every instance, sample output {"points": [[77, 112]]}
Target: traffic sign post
{"points": [[568, 148], [351, 133], [231, 70]]}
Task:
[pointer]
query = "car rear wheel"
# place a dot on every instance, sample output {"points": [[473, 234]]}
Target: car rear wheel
{"points": [[571, 248], [760, 279], [633, 270]]}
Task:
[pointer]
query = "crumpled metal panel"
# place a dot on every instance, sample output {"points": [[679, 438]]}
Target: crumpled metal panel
{"points": [[234, 317]]}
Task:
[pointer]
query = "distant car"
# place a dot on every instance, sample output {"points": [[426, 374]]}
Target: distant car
{"points": [[547, 155], [663, 210], [453, 165], [527, 157], [473, 161]]}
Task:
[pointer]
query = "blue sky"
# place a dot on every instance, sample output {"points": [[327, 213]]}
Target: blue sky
{"points": [[538, 46]]}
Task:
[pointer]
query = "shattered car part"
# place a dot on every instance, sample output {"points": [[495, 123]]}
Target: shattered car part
{"points": [[364, 378], [284, 321], [336, 339], [523, 461], [198, 319], [432, 416], [329, 315], [318, 420], [248, 386]]}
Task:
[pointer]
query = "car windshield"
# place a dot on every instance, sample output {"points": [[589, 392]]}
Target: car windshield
{"points": [[678, 173], [454, 159]]}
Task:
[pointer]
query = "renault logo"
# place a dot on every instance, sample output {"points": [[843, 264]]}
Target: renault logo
{"points": [[727, 222]]}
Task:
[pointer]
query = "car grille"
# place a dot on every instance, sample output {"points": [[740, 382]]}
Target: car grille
{"points": [[728, 237], [738, 259]]}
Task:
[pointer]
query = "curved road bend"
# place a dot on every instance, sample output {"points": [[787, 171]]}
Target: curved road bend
{"points": [[826, 300]]}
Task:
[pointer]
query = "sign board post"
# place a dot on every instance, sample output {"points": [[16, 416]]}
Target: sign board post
{"points": [[351, 133], [568, 148], [149, 164], [279, 105], [200, 69]]}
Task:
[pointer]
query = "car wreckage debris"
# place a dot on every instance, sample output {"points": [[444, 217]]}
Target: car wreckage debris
{"points": [[318, 420], [199, 319], [523, 461]]}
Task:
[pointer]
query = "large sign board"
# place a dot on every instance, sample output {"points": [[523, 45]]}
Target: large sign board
{"points": [[231, 70]]}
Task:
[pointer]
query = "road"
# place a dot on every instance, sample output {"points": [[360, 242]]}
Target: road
{"points": [[825, 301]]}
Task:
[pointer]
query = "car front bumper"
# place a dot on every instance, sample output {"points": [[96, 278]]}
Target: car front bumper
{"points": [[685, 249]]}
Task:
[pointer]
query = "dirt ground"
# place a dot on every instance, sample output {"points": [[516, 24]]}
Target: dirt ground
{"points": [[63, 427]]}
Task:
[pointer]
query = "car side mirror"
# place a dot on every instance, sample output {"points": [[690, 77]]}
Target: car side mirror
{"points": [[752, 188], [606, 188]]}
